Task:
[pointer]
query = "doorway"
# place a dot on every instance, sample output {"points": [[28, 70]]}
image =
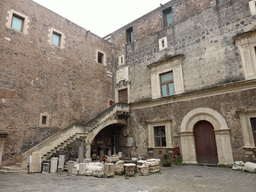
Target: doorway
{"points": [[206, 148]]}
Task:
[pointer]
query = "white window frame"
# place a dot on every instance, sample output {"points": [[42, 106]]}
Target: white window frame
{"points": [[120, 60], [161, 47], [9, 18], [62, 38], [151, 135], [246, 43], [245, 119], [47, 120], [104, 63], [252, 5], [173, 64]]}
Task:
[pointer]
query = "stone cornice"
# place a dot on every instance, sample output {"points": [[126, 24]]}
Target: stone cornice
{"points": [[166, 58], [208, 92]]}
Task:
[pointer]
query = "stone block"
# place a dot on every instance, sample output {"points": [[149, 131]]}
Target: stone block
{"points": [[129, 169], [75, 169], [36, 162], [54, 164], [109, 169], [88, 173], [154, 165], [82, 169], [143, 169], [238, 165], [115, 158], [70, 167], [89, 160], [119, 168], [251, 167]]}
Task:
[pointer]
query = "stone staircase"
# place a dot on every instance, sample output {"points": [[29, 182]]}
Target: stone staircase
{"points": [[66, 136]]}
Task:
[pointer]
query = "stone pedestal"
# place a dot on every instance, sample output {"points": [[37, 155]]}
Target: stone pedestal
{"points": [[54, 163], [46, 168], [109, 169], [61, 161], [36, 162], [82, 169], [70, 167], [119, 168], [129, 169]]}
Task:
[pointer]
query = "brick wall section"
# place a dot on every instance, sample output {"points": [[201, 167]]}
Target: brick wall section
{"points": [[203, 31], [66, 83]]}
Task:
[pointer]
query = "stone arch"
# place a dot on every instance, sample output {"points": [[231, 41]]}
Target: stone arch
{"points": [[222, 134], [91, 136], [95, 132]]}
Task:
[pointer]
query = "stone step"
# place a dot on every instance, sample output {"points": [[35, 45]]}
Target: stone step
{"points": [[11, 169]]}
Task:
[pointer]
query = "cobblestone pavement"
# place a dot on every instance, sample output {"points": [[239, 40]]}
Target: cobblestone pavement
{"points": [[178, 178]]}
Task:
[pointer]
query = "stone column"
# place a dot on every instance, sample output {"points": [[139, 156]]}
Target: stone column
{"points": [[109, 152], [224, 147], [54, 162], [81, 152], [188, 147], [88, 151]]}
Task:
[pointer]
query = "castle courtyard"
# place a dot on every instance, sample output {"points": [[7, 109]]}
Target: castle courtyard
{"points": [[176, 178]]}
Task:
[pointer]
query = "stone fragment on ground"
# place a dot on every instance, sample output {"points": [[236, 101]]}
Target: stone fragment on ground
{"points": [[154, 165], [130, 169], [119, 167], [250, 167], [238, 165]]}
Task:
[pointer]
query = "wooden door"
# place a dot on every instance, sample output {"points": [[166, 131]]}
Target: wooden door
{"points": [[206, 149]]}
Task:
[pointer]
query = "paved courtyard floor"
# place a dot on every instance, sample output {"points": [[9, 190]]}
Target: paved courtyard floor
{"points": [[178, 178]]}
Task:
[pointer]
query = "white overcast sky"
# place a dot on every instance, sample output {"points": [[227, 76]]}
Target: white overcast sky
{"points": [[101, 17]]}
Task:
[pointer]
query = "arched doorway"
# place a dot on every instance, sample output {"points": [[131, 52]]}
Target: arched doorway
{"points": [[221, 132], [205, 142]]}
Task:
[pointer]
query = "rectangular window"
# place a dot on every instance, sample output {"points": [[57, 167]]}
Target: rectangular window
{"points": [[44, 118], [100, 57], [17, 23], [253, 124], [168, 17], [129, 35], [56, 39], [167, 84], [160, 139]]}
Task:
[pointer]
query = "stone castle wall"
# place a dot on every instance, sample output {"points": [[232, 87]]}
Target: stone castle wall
{"points": [[36, 77], [202, 31]]}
